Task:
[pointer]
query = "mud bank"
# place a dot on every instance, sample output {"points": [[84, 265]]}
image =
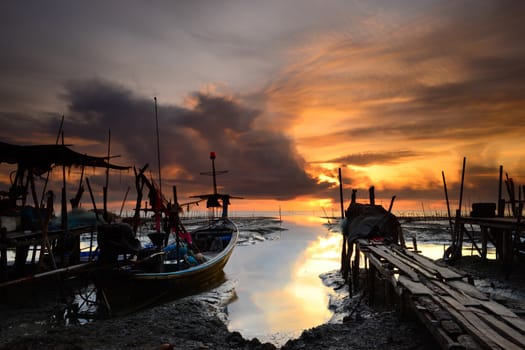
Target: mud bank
{"points": [[193, 324], [200, 323]]}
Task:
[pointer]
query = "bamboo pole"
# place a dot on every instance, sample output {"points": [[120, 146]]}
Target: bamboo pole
{"points": [[462, 183], [124, 202], [139, 185], [92, 198], [44, 223], [501, 202], [391, 204], [105, 188], [158, 156], [448, 207], [459, 232], [344, 269], [341, 200], [47, 176]]}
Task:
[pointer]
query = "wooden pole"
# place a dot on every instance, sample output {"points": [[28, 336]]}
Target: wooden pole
{"points": [[3, 253], [372, 195], [44, 222], [341, 200], [448, 206], [343, 250], [176, 222], [355, 268], [459, 232], [64, 201], [139, 185], [105, 188], [462, 183], [510, 189], [158, 147], [391, 204], [124, 202], [92, 198], [96, 217], [501, 201], [159, 214], [47, 176]]}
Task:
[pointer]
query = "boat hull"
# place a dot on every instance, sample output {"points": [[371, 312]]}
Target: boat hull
{"points": [[121, 290]]}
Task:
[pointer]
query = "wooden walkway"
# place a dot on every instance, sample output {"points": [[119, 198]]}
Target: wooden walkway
{"points": [[456, 313]]}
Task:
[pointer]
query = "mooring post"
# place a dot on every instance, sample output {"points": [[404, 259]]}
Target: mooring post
{"points": [[3, 253], [341, 195], [501, 201]]}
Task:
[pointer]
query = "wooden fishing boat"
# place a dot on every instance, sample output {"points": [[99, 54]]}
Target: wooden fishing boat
{"points": [[168, 272], [178, 262]]}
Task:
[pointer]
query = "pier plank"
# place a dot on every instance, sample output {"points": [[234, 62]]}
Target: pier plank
{"points": [[442, 271], [516, 322], [454, 303], [460, 297], [395, 261], [468, 289], [498, 309], [480, 337], [415, 288], [488, 331], [503, 328], [417, 267], [440, 335]]}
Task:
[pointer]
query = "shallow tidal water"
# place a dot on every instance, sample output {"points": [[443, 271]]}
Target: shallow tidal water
{"points": [[278, 289]]}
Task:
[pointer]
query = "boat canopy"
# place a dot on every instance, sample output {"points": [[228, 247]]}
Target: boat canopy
{"points": [[41, 158]]}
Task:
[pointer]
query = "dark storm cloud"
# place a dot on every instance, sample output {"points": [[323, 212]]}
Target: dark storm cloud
{"points": [[22, 128], [261, 163]]}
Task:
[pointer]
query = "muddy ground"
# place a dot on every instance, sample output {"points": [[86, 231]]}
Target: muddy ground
{"points": [[192, 323]]}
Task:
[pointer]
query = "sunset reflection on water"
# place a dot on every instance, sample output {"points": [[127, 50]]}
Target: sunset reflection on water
{"points": [[302, 301], [279, 290]]}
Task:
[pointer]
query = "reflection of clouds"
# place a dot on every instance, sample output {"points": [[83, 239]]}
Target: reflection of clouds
{"points": [[304, 220], [302, 302]]}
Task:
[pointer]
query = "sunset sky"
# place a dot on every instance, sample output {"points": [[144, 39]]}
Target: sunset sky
{"points": [[285, 92]]}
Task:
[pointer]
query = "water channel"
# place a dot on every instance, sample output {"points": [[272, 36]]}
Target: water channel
{"points": [[278, 289]]}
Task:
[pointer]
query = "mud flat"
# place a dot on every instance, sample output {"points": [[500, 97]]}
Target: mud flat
{"points": [[200, 322]]}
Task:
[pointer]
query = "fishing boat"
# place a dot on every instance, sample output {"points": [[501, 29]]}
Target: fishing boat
{"points": [[39, 250], [175, 263]]}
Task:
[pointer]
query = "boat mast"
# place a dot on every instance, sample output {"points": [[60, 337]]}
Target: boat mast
{"points": [[213, 173], [158, 161]]}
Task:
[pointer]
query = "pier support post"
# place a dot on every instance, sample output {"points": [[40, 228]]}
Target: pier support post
{"points": [[3, 253], [355, 268], [484, 241]]}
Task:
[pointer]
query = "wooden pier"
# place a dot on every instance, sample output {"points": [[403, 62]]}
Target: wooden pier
{"points": [[455, 312]]}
